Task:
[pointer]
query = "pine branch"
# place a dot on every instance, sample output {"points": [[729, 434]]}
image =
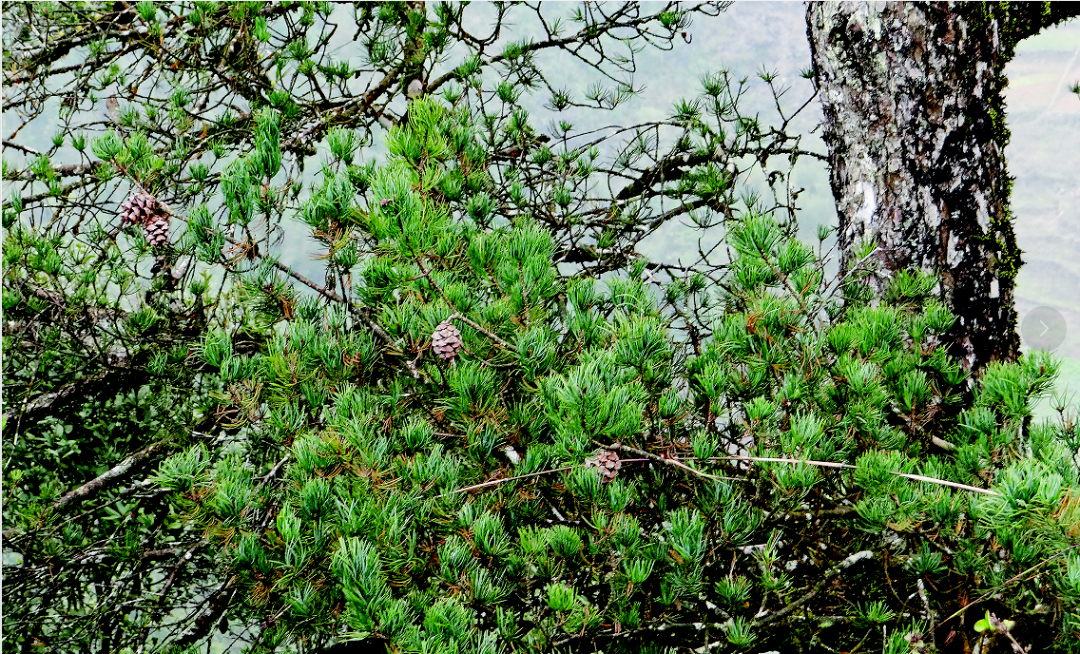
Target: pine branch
{"points": [[496, 482], [997, 589], [357, 311], [848, 466], [99, 483], [616, 447], [828, 576], [458, 314], [92, 487]]}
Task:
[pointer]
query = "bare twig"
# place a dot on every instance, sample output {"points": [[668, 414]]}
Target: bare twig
{"points": [[495, 482], [943, 444], [485, 332], [27, 150], [93, 486], [274, 470], [180, 562], [615, 447], [215, 604], [848, 466]]}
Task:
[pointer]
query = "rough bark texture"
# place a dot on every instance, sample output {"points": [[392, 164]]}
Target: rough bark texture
{"points": [[914, 122]]}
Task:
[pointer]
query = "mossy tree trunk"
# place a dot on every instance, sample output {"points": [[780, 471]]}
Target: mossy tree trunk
{"points": [[914, 123]]}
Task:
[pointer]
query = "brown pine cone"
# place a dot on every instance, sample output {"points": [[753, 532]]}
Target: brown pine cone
{"points": [[156, 230], [127, 212], [607, 461], [446, 340], [138, 209], [144, 209]]}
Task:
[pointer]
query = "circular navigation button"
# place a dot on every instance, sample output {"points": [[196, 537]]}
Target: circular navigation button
{"points": [[1043, 328]]}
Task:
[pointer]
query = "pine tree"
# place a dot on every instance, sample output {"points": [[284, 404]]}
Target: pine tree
{"points": [[493, 425]]}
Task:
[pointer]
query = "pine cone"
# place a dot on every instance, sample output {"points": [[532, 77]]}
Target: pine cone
{"points": [[156, 230], [138, 209], [446, 341], [607, 461], [145, 210]]}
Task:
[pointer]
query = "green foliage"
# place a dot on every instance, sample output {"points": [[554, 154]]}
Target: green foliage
{"points": [[294, 458], [554, 368]]}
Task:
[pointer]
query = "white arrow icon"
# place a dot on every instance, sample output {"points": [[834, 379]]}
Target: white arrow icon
{"points": [[1043, 328]]}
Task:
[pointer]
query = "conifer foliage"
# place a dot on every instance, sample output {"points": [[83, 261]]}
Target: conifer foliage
{"points": [[494, 425]]}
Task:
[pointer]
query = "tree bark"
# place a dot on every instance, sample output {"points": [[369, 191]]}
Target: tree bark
{"points": [[915, 125]]}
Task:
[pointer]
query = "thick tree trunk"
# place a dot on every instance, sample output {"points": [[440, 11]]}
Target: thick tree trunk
{"points": [[914, 122]]}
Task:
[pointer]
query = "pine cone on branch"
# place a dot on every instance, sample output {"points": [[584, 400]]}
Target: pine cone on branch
{"points": [[137, 209], [446, 340], [607, 461], [144, 210], [156, 231]]}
